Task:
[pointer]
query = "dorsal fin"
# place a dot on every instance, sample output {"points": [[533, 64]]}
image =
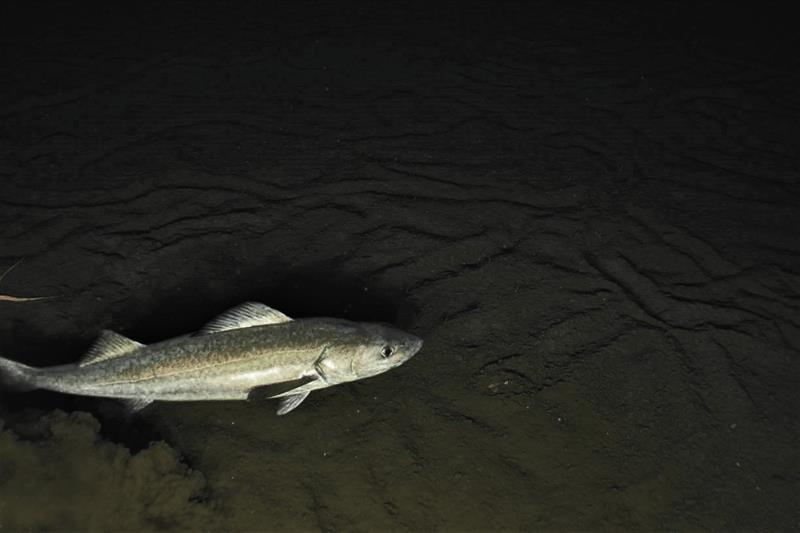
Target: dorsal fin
{"points": [[246, 315], [108, 346]]}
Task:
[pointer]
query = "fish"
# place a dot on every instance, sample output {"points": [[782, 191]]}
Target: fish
{"points": [[251, 351]]}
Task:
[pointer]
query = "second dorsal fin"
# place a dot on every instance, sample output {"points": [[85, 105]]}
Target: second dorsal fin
{"points": [[108, 346], [246, 315]]}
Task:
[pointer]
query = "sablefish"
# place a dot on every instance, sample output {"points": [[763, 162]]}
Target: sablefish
{"points": [[249, 351]]}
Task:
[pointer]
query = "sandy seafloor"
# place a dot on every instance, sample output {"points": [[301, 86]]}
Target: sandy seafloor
{"points": [[589, 212]]}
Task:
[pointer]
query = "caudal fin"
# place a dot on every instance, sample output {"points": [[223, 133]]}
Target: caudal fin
{"points": [[15, 376]]}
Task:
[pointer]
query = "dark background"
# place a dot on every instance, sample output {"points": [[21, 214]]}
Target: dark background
{"points": [[589, 211]]}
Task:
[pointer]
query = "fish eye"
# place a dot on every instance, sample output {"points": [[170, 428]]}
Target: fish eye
{"points": [[386, 351]]}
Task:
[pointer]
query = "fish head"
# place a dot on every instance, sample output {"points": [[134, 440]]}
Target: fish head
{"points": [[376, 349]]}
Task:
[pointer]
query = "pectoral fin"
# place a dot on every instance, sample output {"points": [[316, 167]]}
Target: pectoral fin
{"points": [[275, 389], [288, 403]]}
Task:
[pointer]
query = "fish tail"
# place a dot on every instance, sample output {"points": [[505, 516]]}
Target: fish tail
{"points": [[16, 376]]}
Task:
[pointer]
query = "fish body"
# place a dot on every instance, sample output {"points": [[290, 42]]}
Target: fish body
{"points": [[251, 350]]}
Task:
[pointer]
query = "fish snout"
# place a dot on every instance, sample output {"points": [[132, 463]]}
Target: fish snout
{"points": [[414, 345], [417, 344]]}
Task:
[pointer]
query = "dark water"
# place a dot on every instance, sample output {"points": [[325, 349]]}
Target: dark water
{"points": [[589, 212]]}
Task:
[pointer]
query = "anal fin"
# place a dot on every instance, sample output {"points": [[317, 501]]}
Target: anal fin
{"points": [[134, 405], [288, 403]]}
